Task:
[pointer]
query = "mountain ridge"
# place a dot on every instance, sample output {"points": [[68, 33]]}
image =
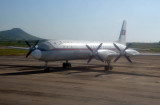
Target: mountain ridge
{"points": [[16, 34]]}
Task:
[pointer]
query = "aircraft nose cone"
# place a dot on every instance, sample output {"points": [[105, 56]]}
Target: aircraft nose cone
{"points": [[36, 54]]}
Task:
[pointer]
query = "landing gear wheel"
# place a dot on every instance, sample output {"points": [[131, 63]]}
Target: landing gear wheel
{"points": [[69, 65], [46, 69], [111, 67], [107, 68], [66, 65]]}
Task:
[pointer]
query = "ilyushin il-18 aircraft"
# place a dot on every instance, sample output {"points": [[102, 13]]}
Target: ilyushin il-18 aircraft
{"points": [[65, 50]]}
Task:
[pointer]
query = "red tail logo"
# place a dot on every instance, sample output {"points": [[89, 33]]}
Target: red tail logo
{"points": [[123, 32]]}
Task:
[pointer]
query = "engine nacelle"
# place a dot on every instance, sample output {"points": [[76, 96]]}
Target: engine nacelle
{"points": [[107, 54], [131, 52]]}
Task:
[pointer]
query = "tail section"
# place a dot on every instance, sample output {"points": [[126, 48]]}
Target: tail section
{"points": [[122, 37]]}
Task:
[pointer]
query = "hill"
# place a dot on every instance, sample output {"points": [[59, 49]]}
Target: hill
{"points": [[16, 34]]}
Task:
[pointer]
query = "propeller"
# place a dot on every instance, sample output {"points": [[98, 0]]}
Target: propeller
{"points": [[94, 53], [31, 48], [122, 52]]}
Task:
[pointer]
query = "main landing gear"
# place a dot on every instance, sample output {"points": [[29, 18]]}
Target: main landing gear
{"points": [[108, 66], [66, 64]]}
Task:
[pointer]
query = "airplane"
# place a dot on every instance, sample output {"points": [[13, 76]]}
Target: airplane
{"points": [[65, 50]]}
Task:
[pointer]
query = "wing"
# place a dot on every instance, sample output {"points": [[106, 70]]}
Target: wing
{"points": [[23, 48], [148, 54], [109, 54]]}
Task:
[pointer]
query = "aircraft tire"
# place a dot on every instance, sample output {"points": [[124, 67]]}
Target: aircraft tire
{"points": [[64, 65], [111, 67], [69, 65], [106, 68], [46, 69]]}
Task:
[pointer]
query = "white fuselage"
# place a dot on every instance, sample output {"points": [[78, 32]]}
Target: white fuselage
{"points": [[72, 50]]}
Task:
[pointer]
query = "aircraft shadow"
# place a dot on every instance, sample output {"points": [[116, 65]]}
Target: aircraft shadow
{"points": [[127, 73], [27, 70]]}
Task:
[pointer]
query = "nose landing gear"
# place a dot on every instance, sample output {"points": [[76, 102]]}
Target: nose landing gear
{"points": [[46, 68]]}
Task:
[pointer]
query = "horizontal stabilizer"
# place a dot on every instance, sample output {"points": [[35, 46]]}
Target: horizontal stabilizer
{"points": [[149, 54]]}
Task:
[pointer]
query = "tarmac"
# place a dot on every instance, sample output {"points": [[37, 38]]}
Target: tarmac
{"points": [[23, 82]]}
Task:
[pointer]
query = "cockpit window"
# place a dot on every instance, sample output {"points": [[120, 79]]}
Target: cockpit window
{"points": [[45, 46]]}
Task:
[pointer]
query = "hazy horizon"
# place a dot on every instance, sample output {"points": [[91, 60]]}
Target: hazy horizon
{"points": [[83, 19]]}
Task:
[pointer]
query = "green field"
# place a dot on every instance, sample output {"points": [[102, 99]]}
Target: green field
{"points": [[147, 47], [5, 51], [9, 52]]}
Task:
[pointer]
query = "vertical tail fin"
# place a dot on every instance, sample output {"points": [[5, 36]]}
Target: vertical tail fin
{"points": [[122, 36]]}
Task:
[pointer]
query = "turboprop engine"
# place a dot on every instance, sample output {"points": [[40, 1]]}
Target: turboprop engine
{"points": [[100, 54], [36, 53], [106, 54]]}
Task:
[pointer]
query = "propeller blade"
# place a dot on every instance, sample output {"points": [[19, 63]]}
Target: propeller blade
{"points": [[36, 43], [127, 57], [28, 53], [127, 47], [27, 43], [100, 58], [117, 58], [89, 60], [99, 47], [31, 48], [94, 53], [122, 53], [117, 47], [89, 48]]}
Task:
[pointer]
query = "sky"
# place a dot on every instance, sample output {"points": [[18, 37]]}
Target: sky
{"points": [[94, 20]]}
